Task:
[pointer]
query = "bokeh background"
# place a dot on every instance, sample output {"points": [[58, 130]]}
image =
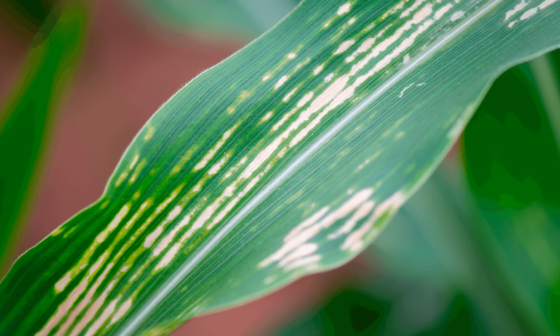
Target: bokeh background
{"points": [[475, 252]]}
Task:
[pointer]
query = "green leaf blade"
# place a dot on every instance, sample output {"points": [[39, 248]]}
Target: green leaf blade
{"points": [[198, 214], [26, 119], [511, 159]]}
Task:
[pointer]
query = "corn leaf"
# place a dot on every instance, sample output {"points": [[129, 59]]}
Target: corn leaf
{"points": [[512, 158], [287, 158], [26, 119], [218, 18]]}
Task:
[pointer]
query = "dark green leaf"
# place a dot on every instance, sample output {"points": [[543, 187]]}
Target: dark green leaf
{"points": [[26, 119]]}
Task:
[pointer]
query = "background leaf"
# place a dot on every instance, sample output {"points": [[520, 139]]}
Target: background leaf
{"points": [[512, 160], [429, 277], [26, 119], [433, 263], [244, 19], [433, 272], [350, 312], [27, 17], [211, 166]]}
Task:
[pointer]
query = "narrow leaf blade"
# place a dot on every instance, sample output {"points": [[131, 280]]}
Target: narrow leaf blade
{"points": [[26, 119]]}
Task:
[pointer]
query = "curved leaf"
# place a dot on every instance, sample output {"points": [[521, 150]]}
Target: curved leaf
{"points": [[511, 160], [285, 159], [218, 18], [26, 118]]}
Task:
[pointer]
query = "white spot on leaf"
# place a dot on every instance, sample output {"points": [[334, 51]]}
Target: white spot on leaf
{"points": [[301, 234], [306, 223], [168, 257], [300, 252], [215, 168], [515, 9], [529, 13], [151, 238], [214, 149], [305, 99], [441, 12], [134, 160], [344, 8], [406, 88], [287, 97], [303, 262], [457, 16], [267, 116], [121, 311], [281, 81], [546, 3], [344, 46], [406, 59], [412, 8]]}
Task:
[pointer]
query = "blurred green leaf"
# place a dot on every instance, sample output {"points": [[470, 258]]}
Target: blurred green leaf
{"points": [[554, 306], [428, 242], [357, 312], [512, 162], [287, 158], [26, 119], [244, 19], [510, 150], [428, 276], [27, 17], [547, 77], [430, 247], [349, 312], [460, 319]]}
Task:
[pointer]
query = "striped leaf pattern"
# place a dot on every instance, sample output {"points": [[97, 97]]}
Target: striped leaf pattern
{"points": [[287, 158]]}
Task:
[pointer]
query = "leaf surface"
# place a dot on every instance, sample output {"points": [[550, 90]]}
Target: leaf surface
{"points": [[287, 158]]}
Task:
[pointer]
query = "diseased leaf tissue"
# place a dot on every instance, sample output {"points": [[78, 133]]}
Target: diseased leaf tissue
{"points": [[285, 159]]}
